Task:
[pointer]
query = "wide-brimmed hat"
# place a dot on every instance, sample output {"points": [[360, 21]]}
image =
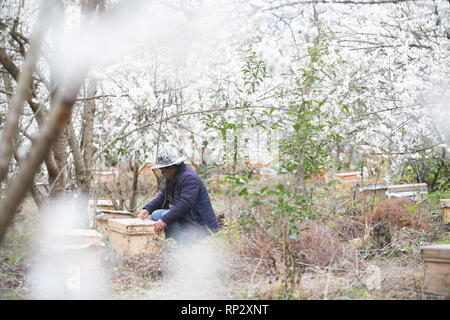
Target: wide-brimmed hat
{"points": [[168, 157]]}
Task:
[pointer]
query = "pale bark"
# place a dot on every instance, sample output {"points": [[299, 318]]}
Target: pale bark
{"points": [[40, 114], [60, 152], [87, 146], [37, 196], [80, 168], [58, 118], [24, 83], [135, 168]]}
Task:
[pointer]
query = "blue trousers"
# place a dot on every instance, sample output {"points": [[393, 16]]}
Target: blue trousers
{"points": [[172, 231]]}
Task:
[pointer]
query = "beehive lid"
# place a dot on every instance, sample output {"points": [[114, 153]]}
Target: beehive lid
{"points": [[445, 202], [347, 174], [104, 202], [113, 211], [345, 181], [131, 226], [372, 187], [344, 174], [112, 214], [436, 251], [408, 187]]}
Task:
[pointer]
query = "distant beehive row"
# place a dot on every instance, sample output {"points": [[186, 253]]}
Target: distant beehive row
{"points": [[349, 180], [381, 189]]}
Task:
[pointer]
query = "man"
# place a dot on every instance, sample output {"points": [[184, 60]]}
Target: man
{"points": [[183, 209]]}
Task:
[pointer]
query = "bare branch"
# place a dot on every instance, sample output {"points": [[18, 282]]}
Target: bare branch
{"points": [[373, 2], [59, 115], [24, 81]]}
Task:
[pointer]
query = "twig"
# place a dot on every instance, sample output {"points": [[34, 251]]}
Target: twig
{"points": [[254, 271], [327, 286]]}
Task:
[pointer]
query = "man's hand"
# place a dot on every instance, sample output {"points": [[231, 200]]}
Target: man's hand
{"points": [[159, 226], [143, 214]]}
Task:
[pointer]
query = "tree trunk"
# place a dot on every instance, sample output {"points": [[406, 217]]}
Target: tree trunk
{"points": [[301, 183], [87, 145], [40, 114], [204, 145], [60, 152], [80, 167], [34, 191], [51, 129], [135, 166]]}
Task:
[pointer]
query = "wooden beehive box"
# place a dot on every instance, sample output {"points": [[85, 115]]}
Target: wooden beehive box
{"points": [[134, 236], [103, 216], [347, 175], [347, 180], [445, 203], [436, 268], [105, 204], [408, 187], [106, 174], [378, 190], [80, 247], [414, 191]]}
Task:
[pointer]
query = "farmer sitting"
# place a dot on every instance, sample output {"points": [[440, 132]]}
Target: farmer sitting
{"points": [[183, 208]]}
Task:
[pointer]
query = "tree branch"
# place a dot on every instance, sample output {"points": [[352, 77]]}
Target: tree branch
{"points": [[24, 82]]}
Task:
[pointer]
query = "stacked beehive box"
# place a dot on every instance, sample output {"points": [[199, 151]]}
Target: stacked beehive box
{"points": [[134, 236], [77, 246], [445, 203], [102, 217], [436, 268]]}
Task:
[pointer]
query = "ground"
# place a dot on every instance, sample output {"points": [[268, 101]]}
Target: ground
{"points": [[398, 266]]}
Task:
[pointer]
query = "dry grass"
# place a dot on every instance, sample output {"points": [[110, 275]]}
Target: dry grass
{"points": [[399, 213], [320, 247]]}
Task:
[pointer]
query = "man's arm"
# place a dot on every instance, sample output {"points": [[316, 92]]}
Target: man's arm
{"points": [[156, 203], [189, 189]]}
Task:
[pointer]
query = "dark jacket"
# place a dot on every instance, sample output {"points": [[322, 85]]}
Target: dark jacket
{"points": [[191, 204]]}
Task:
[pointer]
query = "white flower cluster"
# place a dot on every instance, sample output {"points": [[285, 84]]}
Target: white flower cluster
{"points": [[268, 50]]}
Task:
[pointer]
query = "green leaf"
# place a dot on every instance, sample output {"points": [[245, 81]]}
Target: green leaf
{"points": [[243, 192]]}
